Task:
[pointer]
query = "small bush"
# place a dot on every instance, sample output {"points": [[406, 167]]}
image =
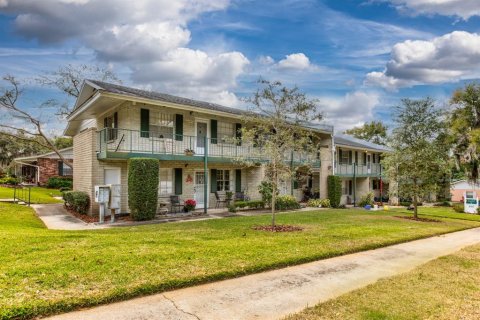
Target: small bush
{"points": [[443, 204], [265, 189], [77, 201], [232, 208], [366, 200], [143, 188], [458, 207], [334, 184], [10, 181], [286, 202], [252, 204], [190, 204], [59, 182], [342, 206], [317, 203], [63, 189]]}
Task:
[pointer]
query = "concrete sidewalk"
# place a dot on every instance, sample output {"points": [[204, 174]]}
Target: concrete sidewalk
{"points": [[275, 294], [56, 217]]}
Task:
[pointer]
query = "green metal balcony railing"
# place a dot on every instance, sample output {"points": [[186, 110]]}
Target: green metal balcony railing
{"points": [[372, 169], [125, 141]]}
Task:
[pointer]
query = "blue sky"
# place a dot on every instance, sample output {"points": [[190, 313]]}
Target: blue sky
{"points": [[359, 58]]}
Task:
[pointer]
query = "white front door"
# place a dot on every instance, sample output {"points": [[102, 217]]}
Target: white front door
{"points": [[199, 189], [202, 128], [111, 176]]}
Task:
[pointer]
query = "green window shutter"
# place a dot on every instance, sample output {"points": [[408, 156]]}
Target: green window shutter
{"points": [[60, 168], [310, 182], [350, 155], [238, 180], [295, 184], [179, 127], [115, 125], [356, 156], [144, 123], [238, 133], [213, 131], [178, 181], [213, 180], [364, 158], [340, 156]]}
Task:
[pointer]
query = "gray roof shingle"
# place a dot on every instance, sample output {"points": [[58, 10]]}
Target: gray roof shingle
{"points": [[128, 91], [346, 140]]}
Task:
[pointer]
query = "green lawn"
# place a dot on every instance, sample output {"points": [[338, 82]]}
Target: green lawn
{"points": [[445, 288], [38, 194], [46, 271]]}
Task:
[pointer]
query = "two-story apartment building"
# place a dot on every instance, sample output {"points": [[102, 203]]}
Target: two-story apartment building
{"points": [[193, 141], [357, 162]]}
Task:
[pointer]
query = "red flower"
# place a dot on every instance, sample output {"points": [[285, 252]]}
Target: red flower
{"points": [[191, 202]]}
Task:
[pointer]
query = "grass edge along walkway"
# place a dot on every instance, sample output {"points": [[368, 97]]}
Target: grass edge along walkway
{"points": [[123, 293]]}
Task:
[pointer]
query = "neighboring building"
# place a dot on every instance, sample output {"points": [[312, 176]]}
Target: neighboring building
{"points": [[458, 189], [358, 163], [38, 168], [111, 123]]}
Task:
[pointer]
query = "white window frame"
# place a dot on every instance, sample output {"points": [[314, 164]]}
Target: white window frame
{"points": [[160, 123], [163, 188], [221, 186]]}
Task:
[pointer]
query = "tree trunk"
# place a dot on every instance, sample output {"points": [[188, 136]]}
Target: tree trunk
{"points": [[274, 197], [415, 205]]}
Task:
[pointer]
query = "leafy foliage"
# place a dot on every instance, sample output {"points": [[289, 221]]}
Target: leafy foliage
{"points": [[334, 186], [317, 203], [190, 204], [9, 180], [143, 188], [78, 201], [374, 131], [464, 125], [458, 207], [286, 202], [59, 182], [419, 156], [265, 188], [275, 126], [366, 200]]}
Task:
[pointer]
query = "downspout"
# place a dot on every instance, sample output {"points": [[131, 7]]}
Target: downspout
{"points": [[333, 155]]}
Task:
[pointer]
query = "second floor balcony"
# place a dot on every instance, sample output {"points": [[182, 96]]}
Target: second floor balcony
{"points": [[359, 170], [126, 143]]}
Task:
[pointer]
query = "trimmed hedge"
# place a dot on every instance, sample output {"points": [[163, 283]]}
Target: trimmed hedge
{"points": [[458, 207], [318, 203], [334, 185], [59, 182], [252, 204], [77, 201], [143, 188]]}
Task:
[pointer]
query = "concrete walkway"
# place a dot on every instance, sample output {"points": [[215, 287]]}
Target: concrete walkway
{"points": [[56, 217], [275, 294]]}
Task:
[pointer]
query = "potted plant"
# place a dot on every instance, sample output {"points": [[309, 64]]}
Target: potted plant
{"points": [[190, 205], [189, 152], [228, 195]]}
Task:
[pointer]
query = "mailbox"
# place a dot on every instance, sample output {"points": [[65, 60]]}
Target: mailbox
{"points": [[102, 194], [115, 196]]}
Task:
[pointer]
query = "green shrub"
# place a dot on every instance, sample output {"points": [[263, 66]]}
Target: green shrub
{"points": [[458, 207], [443, 204], [10, 181], [366, 200], [342, 206], [232, 208], [59, 182], [334, 184], [286, 202], [252, 204], [405, 203], [143, 188], [63, 189], [316, 203], [77, 201], [265, 189]]}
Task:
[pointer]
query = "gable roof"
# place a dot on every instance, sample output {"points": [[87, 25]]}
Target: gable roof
{"points": [[138, 93], [67, 153], [91, 86], [349, 141]]}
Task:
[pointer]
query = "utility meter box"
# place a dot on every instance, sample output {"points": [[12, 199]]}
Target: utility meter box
{"points": [[470, 202], [102, 194], [115, 196]]}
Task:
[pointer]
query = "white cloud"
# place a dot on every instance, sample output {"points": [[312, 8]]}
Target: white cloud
{"points": [[464, 9], [150, 37], [297, 61], [351, 110], [449, 58]]}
